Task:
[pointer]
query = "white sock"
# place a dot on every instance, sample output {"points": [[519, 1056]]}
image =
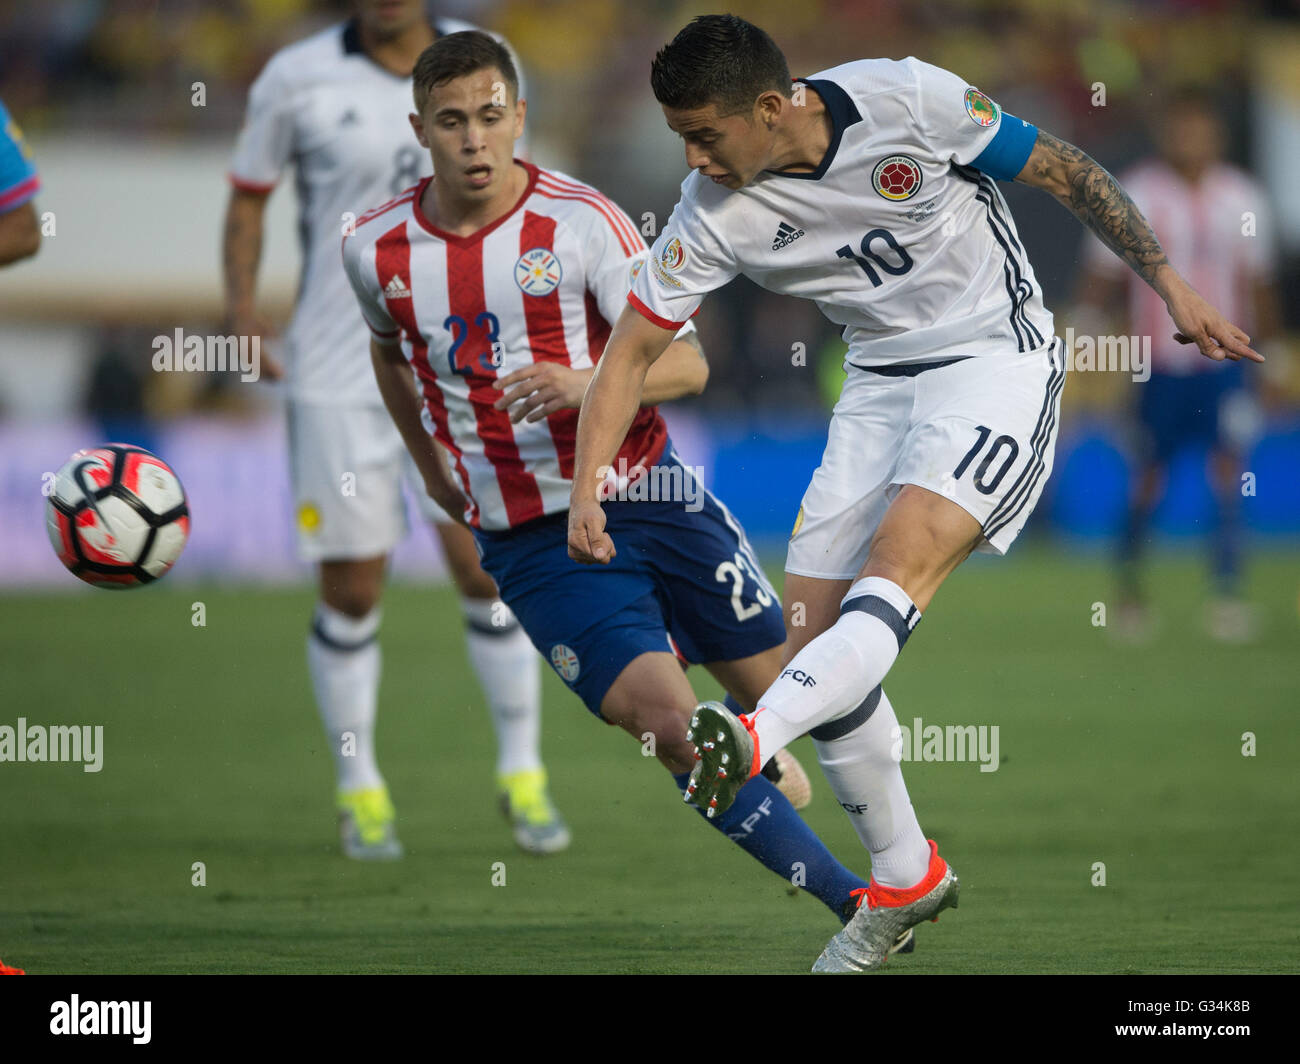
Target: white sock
{"points": [[836, 671], [508, 668], [343, 657], [858, 758]]}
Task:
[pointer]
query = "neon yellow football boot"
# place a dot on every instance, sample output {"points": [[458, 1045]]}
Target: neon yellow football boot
{"points": [[366, 825], [537, 826]]}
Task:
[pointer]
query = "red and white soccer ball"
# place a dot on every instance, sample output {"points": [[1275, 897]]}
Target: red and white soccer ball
{"points": [[118, 516]]}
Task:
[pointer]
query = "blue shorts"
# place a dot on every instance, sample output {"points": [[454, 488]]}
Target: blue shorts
{"points": [[1176, 411], [683, 569]]}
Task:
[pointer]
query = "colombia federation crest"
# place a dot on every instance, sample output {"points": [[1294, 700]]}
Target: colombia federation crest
{"points": [[897, 177]]}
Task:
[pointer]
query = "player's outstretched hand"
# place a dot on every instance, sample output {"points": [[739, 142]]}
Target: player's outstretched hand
{"points": [[541, 389], [1201, 324], [589, 543]]}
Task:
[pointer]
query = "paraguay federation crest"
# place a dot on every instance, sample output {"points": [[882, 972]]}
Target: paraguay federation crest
{"points": [[897, 177], [538, 272], [565, 662]]}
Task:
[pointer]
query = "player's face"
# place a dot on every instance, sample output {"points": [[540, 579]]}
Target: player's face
{"points": [[388, 18], [470, 126], [730, 150], [1191, 139]]}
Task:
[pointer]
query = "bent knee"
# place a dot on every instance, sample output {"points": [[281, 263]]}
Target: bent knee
{"points": [[905, 563], [660, 728], [356, 600]]}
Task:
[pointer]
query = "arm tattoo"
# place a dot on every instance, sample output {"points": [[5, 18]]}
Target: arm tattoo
{"points": [[1097, 200]]}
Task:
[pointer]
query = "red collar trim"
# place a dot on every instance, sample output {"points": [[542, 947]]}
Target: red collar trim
{"points": [[478, 234]]}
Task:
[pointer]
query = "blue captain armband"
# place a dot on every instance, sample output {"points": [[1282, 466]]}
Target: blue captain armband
{"points": [[1005, 155]]}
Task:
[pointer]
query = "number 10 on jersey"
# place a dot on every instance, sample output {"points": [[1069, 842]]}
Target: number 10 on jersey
{"points": [[868, 256]]}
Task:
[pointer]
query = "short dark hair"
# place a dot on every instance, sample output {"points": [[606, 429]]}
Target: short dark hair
{"points": [[459, 54], [1190, 96], [721, 60]]}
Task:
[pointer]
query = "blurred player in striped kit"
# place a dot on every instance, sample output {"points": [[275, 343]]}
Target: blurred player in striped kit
{"points": [[334, 107], [1214, 220]]}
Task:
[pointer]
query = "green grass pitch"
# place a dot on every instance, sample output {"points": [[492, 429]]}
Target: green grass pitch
{"points": [[1131, 757]]}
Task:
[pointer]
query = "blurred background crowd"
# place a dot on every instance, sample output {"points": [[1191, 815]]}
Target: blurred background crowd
{"points": [[105, 93]]}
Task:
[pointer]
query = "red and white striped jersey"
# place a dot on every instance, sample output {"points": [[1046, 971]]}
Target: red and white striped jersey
{"points": [[542, 283], [1217, 234]]}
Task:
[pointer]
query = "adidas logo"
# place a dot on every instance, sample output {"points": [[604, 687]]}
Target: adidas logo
{"points": [[396, 289], [785, 234]]}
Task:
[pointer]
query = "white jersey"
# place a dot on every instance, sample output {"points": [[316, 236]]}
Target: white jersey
{"points": [[543, 282], [1204, 231], [900, 235], [340, 119]]}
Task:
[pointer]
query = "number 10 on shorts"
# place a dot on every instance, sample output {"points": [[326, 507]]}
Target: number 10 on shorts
{"points": [[1001, 445]]}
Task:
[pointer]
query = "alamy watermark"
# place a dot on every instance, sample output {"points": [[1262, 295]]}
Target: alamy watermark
{"points": [[656, 483], [58, 742], [1105, 354], [179, 353], [77, 1017], [953, 742]]}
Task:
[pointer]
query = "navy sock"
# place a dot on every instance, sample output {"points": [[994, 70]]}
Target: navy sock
{"points": [[1130, 550], [1226, 548], [763, 823]]}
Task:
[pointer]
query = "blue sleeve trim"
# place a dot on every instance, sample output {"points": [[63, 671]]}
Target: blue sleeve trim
{"points": [[1005, 155], [15, 167]]}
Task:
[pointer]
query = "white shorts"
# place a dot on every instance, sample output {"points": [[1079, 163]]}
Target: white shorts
{"points": [[347, 464], [981, 431]]}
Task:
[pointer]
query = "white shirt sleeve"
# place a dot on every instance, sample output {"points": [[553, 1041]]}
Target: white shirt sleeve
{"points": [[358, 264], [617, 255], [961, 124], [688, 261], [266, 141], [614, 251]]}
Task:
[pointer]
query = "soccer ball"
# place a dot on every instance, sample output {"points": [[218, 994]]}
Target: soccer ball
{"points": [[118, 516]]}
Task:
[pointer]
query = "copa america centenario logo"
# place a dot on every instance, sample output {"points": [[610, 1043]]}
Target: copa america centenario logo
{"points": [[673, 255], [982, 110]]}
